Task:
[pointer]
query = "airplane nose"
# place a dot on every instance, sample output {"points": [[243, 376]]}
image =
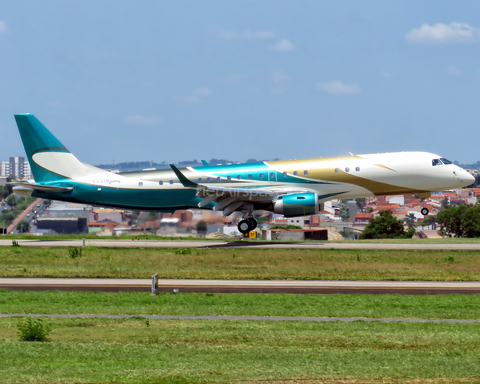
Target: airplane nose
{"points": [[469, 178]]}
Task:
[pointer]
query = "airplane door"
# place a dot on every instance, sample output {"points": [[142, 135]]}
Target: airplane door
{"points": [[272, 176]]}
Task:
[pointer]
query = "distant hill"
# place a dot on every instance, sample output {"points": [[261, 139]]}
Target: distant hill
{"points": [[470, 166]]}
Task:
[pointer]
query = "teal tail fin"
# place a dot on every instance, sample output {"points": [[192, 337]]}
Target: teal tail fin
{"points": [[48, 157]]}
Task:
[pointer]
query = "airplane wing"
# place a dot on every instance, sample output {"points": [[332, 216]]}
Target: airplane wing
{"points": [[229, 199]]}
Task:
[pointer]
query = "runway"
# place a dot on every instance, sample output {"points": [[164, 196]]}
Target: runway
{"points": [[103, 243], [241, 286]]}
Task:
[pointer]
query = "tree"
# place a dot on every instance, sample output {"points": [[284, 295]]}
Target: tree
{"points": [[360, 204], [444, 203], [410, 220], [386, 226], [11, 200], [428, 220], [344, 213], [23, 227], [460, 221], [201, 226]]}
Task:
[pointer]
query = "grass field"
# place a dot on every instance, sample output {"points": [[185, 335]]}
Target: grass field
{"points": [[214, 263], [181, 351], [146, 236], [194, 351], [336, 305]]}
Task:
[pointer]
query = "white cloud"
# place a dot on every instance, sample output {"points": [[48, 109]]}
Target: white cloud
{"points": [[338, 87], [197, 95], [3, 26], [453, 33], [247, 34], [203, 92], [142, 120], [280, 77], [283, 46], [452, 71]]}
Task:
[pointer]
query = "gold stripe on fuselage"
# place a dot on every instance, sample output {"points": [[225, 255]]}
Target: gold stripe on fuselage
{"points": [[327, 173]]}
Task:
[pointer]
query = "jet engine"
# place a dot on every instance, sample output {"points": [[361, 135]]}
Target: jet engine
{"points": [[298, 204]]}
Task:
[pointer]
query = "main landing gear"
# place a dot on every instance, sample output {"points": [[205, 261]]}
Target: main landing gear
{"points": [[247, 225]]}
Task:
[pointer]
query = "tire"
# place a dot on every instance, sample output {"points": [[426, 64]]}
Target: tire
{"points": [[253, 223], [424, 211], [244, 226]]}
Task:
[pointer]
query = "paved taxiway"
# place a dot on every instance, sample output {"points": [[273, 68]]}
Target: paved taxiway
{"points": [[241, 244], [241, 286]]}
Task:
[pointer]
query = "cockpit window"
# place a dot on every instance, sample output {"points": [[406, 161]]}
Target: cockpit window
{"points": [[445, 161], [436, 162]]}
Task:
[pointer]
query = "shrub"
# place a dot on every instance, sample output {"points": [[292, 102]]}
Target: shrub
{"points": [[183, 251], [33, 330], [75, 252]]}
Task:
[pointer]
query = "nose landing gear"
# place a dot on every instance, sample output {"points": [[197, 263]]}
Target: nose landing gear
{"points": [[424, 210]]}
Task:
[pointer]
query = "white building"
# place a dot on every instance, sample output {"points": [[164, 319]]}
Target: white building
{"points": [[16, 167]]}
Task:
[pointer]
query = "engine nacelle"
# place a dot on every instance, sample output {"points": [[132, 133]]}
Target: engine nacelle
{"points": [[298, 204]]}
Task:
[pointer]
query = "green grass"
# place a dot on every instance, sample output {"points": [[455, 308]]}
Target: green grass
{"points": [[214, 263], [185, 351], [335, 305], [445, 240]]}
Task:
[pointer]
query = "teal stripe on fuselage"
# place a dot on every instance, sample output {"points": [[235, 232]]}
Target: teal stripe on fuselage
{"points": [[136, 199], [255, 170]]}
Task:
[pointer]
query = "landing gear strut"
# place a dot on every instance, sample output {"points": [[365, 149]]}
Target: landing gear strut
{"points": [[247, 225], [424, 210]]}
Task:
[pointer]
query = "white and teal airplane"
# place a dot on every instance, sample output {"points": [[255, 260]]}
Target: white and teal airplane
{"points": [[291, 187]]}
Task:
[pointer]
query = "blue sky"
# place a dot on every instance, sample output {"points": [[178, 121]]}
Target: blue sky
{"points": [[180, 80]]}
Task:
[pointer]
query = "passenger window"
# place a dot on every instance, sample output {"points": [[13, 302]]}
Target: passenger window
{"points": [[250, 177], [160, 182], [140, 184], [357, 169], [261, 175], [272, 175], [219, 179], [305, 173], [295, 173], [200, 179], [347, 169], [337, 170], [209, 179], [229, 178], [239, 177], [284, 174], [171, 181], [436, 162]]}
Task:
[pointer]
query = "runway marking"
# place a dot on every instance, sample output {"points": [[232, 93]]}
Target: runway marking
{"points": [[254, 318]]}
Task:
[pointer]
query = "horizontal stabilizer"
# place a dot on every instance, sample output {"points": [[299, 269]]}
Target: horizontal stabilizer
{"points": [[43, 188]]}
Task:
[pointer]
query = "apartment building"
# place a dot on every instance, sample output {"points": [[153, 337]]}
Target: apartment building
{"points": [[16, 167]]}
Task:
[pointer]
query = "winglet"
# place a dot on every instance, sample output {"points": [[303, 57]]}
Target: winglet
{"points": [[186, 182], [205, 163]]}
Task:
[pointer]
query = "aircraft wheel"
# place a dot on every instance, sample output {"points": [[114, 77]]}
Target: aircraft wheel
{"points": [[253, 223], [424, 211], [244, 226]]}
